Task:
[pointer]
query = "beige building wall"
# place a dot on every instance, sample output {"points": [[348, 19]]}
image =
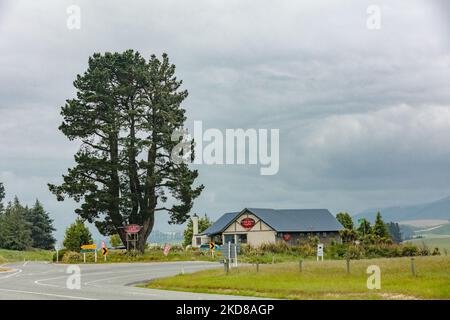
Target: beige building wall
{"points": [[257, 238]]}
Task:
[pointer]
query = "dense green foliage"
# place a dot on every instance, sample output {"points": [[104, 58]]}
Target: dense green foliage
{"points": [[345, 219], [77, 234], [22, 227], [115, 240], [2, 196], [394, 231], [125, 112], [41, 227], [15, 230], [203, 224]]}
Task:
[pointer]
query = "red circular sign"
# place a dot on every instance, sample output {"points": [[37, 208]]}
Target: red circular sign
{"points": [[132, 228], [247, 223], [286, 237]]}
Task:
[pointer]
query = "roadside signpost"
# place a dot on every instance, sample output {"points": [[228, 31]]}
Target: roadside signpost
{"points": [[88, 248], [57, 253], [230, 252], [132, 232], [320, 251], [104, 250], [212, 246]]}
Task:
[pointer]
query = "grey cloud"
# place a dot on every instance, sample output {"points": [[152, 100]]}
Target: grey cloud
{"points": [[363, 115]]}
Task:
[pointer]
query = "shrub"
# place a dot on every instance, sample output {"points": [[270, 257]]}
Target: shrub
{"points": [[409, 250], [60, 255], [72, 257], [436, 252]]}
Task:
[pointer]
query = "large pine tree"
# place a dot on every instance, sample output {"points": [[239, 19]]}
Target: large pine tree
{"points": [[125, 112], [41, 227]]}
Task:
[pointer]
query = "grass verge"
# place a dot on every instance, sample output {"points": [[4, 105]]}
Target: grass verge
{"points": [[323, 280], [29, 255]]}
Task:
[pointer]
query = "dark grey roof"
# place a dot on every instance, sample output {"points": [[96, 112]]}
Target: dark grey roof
{"points": [[221, 224], [284, 220]]}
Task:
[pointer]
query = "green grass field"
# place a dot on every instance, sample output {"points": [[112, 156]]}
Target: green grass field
{"points": [[12, 255], [323, 280]]}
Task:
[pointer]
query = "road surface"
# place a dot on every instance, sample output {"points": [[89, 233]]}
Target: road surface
{"points": [[41, 280]]}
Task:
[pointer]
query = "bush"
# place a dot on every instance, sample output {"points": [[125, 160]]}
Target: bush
{"points": [[60, 255], [72, 257], [409, 250], [436, 252]]}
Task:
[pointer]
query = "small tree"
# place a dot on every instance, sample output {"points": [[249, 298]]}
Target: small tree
{"points": [[76, 236], [380, 229], [115, 240], [203, 224], [345, 219], [364, 228]]}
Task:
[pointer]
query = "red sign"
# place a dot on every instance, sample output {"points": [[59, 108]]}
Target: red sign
{"points": [[132, 228], [247, 223], [166, 249], [286, 237]]}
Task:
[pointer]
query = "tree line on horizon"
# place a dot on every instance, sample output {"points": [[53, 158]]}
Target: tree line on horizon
{"points": [[23, 227], [380, 232]]}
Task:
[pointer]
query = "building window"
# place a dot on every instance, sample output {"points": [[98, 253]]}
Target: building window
{"points": [[229, 238], [242, 238], [198, 241], [324, 234]]}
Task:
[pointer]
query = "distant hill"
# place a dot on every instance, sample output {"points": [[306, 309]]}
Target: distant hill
{"points": [[436, 210]]}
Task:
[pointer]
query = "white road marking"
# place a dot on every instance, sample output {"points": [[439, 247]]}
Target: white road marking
{"points": [[13, 274], [47, 294], [25, 263]]}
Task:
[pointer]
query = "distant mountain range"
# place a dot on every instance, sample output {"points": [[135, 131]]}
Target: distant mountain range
{"points": [[436, 210]]}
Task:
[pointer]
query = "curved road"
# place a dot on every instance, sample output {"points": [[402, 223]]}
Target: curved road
{"points": [[41, 280]]}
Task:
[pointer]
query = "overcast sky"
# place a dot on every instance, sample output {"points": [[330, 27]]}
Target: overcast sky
{"points": [[364, 115]]}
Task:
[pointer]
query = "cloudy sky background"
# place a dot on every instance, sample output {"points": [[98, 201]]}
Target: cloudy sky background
{"points": [[364, 115]]}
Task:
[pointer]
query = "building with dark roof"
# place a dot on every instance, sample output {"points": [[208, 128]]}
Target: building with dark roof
{"points": [[256, 226]]}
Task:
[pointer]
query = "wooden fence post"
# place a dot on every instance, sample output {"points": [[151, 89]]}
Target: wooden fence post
{"points": [[348, 265], [413, 270]]}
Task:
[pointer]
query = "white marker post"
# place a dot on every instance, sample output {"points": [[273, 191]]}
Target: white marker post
{"points": [[84, 257], [235, 256], [229, 251], [320, 251]]}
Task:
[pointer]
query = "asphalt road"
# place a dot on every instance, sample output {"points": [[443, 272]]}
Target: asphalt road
{"points": [[41, 280]]}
